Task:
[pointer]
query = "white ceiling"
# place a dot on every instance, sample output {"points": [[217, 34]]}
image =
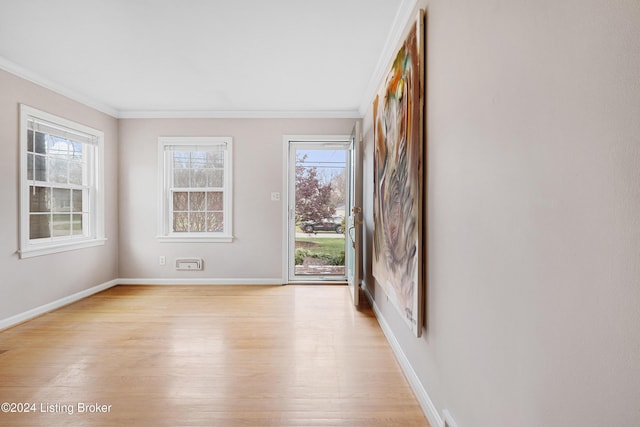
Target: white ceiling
{"points": [[142, 58]]}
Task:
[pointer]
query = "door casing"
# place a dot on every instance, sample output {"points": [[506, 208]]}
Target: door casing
{"points": [[311, 141]]}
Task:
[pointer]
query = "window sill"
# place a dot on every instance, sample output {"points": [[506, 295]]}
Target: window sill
{"points": [[195, 239], [35, 251]]}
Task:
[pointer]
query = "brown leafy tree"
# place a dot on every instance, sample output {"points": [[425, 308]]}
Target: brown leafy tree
{"points": [[313, 198]]}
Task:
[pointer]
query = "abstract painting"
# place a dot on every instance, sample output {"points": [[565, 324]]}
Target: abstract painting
{"points": [[398, 179]]}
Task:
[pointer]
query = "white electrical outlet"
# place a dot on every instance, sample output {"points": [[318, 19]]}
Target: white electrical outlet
{"points": [[275, 196], [163, 260]]}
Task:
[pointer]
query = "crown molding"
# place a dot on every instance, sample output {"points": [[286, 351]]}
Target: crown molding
{"points": [[240, 114], [405, 12], [403, 15], [23, 73], [17, 70]]}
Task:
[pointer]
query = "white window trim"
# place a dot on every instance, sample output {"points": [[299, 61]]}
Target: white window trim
{"points": [[97, 237], [165, 235]]}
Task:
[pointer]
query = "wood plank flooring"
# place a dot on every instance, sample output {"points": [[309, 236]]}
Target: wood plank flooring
{"points": [[205, 356]]}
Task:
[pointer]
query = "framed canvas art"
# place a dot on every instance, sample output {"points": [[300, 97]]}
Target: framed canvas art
{"points": [[398, 179]]}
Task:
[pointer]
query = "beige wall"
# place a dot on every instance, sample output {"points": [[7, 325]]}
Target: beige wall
{"points": [[29, 283], [533, 186], [131, 174], [533, 299], [258, 169]]}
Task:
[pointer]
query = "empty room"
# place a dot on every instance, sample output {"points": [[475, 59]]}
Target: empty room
{"points": [[320, 213]]}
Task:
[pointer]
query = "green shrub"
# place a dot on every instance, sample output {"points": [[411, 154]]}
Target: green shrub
{"points": [[301, 254], [329, 259]]}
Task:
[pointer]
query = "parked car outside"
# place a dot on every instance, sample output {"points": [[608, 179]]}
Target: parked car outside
{"points": [[327, 224]]}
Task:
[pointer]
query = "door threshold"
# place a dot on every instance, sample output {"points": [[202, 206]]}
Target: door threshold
{"points": [[317, 282]]}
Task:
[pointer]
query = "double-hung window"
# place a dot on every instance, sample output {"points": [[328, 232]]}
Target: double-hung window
{"points": [[61, 195], [195, 190]]}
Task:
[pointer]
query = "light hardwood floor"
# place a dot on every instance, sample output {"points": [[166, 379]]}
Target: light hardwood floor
{"points": [[206, 356]]}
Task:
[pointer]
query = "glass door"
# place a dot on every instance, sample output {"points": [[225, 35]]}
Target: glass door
{"points": [[318, 199]]}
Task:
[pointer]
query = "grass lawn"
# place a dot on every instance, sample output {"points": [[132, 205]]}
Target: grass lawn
{"points": [[327, 246], [331, 250]]}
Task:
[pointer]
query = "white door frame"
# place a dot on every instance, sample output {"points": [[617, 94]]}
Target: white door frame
{"points": [[287, 212], [353, 232]]}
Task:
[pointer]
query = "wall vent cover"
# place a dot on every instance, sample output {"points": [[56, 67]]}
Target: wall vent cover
{"points": [[189, 264]]}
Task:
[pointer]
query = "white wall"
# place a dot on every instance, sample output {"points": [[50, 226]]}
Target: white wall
{"points": [[26, 284], [256, 252], [533, 185]]}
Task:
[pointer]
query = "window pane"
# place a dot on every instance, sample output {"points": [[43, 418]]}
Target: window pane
{"points": [[196, 201], [180, 159], [40, 143], [180, 200], [58, 169], [30, 167], [75, 173], [216, 178], [61, 225], [77, 201], [61, 200], [39, 199], [181, 178], [197, 221], [40, 168], [180, 222], [209, 162], [58, 147], [39, 226], [198, 160], [215, 222], [198, 178], [215, 200], [30, 141], [76, 151], [215, 158], [77, 225]]}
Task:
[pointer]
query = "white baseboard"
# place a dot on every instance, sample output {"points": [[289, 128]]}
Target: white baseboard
{"points": [[448, 419], [204, 281], [30, 314], [424, 400], [421, 394]]}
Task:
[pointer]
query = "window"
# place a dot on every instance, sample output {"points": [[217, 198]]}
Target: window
{"points": [[195, 193], [61, 195]]}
